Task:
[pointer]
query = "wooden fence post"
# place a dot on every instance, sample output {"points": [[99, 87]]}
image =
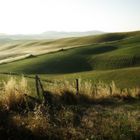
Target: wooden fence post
{"points": [[77, 86], [37, 86], [41, 86]]}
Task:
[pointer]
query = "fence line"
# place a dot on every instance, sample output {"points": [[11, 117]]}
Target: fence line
{"points": [[27, 76], [39, 84]]}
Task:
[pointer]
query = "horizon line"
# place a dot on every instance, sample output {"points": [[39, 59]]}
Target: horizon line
{"points": [[65, 31]]}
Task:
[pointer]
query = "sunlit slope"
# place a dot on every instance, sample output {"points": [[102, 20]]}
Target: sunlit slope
{"points": [[109, 51], [14, 49], [125, 77]]}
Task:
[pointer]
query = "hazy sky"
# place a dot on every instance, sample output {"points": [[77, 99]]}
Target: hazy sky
{"points": [[36, 16]]}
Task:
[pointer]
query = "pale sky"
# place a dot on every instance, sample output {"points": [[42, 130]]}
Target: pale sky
{"points": [[36, 16]]}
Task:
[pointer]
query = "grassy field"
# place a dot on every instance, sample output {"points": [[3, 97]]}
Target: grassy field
{"points": [[105, 105]]}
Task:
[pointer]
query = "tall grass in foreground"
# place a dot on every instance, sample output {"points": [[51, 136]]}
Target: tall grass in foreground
{"points": [[95, 91], [13, 92], [67, 120]]}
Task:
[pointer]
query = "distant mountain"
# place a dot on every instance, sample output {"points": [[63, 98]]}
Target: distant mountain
{"points": [[48, 35], [54, 34]]}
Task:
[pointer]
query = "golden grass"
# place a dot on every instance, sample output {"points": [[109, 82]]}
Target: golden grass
{"points": [[13, 92], [95, 91]]}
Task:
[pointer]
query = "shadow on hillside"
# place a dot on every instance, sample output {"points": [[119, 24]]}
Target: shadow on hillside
{"points": [[62, 65], [97, 50]]}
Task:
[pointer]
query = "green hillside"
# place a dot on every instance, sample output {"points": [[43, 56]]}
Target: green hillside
{"points": [[105, 53]]}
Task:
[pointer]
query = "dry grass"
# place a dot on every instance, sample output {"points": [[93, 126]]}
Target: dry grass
{"points": [[94, 92], [12, 95], [96, 122], [71, 117]]}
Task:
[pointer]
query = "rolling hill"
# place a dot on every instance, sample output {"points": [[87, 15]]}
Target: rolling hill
{"points": [[110, 54]]}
